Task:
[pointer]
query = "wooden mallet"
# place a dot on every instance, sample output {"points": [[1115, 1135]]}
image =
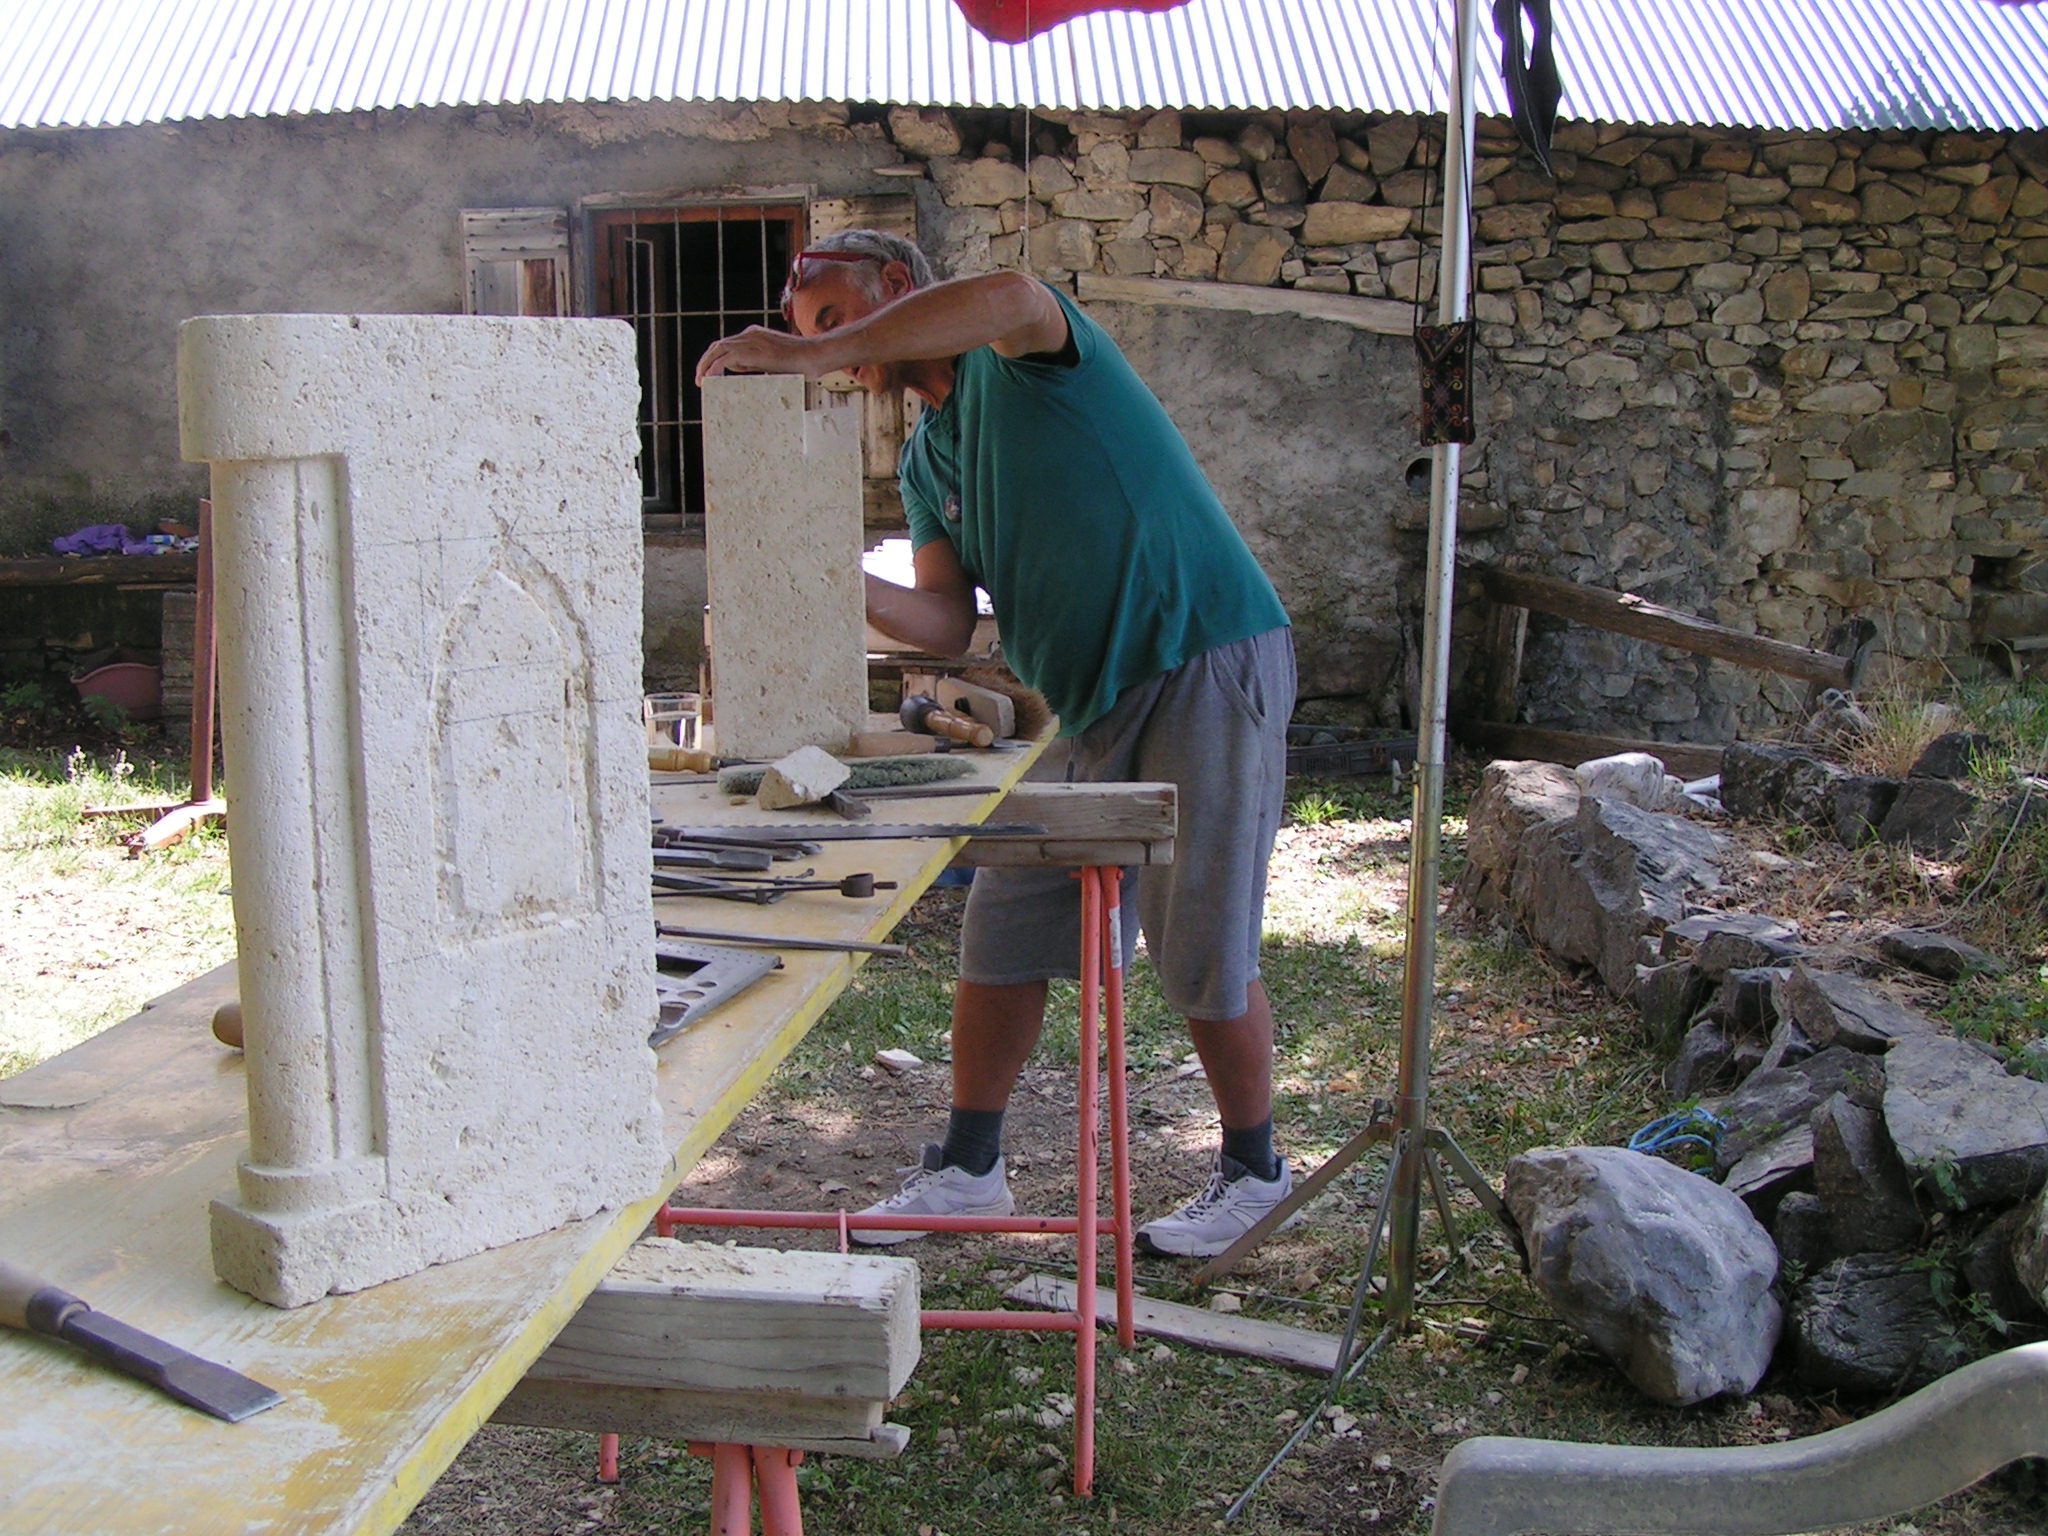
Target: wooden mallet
{"points": [[921, 712]]}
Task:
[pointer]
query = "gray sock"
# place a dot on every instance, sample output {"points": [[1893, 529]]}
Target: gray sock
{"points": [[974, 1140], [1252, 1150]]}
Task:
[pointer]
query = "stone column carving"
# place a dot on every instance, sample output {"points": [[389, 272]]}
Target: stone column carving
{"points": [[427, 541]]}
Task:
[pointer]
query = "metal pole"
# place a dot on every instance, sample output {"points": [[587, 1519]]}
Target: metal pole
{"points": [[1419, 979]]}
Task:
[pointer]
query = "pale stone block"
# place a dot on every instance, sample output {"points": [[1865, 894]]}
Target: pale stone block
{"points": [[427, 539], [782, 547], [804, 777]]}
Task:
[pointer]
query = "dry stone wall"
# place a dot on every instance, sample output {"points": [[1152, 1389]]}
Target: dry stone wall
{"points": [[1775, 379]]}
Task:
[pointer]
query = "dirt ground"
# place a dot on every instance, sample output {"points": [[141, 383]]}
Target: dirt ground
{"points": [[1525, 1054]]}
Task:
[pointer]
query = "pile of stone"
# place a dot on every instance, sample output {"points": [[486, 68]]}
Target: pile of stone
{"points": [[1932, 810], [1865, 1197]]}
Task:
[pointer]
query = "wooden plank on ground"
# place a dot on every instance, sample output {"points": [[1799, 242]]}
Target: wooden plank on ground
{"points": [[1302, 1348], [1687, 760], [1625, 614]]}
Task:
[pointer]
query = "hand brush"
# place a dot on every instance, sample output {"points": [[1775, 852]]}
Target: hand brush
{"points": [[1033, 715]]}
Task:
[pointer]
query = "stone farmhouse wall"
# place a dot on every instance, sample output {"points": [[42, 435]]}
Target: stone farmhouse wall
{"points": [[1775, 379]]}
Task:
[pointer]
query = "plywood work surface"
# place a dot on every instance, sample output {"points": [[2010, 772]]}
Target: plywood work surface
{"points": [[113, 1151]]}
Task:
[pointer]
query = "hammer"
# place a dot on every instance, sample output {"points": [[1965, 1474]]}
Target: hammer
{"points": [[921, 712]]}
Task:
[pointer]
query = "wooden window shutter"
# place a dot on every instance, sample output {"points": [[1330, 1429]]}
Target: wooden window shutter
{"points": [[517, 261], [883, 417]]}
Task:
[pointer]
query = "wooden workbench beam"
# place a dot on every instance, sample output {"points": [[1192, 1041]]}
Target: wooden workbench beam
{"points": [[1625, 614], [1119, 825], [172, 570]]}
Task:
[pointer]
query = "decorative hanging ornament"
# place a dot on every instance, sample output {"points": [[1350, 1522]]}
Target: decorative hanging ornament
{"points": [[1444, 353]]}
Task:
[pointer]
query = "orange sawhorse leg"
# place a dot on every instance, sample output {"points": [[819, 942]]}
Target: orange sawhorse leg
{"points": [[743, 1476], [1102, 1014]]}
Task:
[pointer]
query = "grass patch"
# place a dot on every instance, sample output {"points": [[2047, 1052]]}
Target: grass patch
{"points": [[1524, 1054], [91, 934]]}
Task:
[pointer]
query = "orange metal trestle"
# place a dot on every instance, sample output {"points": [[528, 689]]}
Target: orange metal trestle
{"points": [[1102, 1016]]}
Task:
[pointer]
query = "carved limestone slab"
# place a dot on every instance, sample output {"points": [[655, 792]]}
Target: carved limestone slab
{"points": [[427, 540]]}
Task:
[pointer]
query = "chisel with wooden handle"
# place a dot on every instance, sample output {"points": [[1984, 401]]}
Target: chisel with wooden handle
{"points": [[31, 1303]]}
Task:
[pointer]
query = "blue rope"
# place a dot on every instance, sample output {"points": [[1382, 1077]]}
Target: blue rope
{"points": [[1693, 1127]]}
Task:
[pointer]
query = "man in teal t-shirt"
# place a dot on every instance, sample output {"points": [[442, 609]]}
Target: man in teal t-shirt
{"points": [[1045, 473]]}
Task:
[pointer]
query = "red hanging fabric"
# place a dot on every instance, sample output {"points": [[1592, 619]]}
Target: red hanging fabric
{"points": [[1017, 21]]}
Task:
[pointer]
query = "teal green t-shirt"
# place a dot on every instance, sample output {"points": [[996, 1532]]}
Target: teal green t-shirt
{"points": [[1073, 501]]}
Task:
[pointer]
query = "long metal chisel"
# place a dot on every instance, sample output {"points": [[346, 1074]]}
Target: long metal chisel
{"points": [[30, 1303]]}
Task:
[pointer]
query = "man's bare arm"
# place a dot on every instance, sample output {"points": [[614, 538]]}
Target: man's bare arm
{"points": [[1014, 314], [937, 615]]}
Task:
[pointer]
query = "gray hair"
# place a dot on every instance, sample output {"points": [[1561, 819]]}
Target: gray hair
{"points": [[882, 248]]}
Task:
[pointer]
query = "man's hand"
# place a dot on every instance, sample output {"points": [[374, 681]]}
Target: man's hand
{"points": [[758, 349]]}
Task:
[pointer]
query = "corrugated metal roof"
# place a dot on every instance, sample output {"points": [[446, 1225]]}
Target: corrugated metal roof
{"points": [[1753, 63]]}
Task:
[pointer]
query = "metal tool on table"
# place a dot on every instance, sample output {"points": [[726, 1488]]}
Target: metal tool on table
{"points": [[731, 860], [673, 845], [692, 979], [763, 889], [739, 836], [33, 1304], [771, 941]]}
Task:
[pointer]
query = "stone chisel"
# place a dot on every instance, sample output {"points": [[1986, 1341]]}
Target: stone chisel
{"points": [[29, 1303]]}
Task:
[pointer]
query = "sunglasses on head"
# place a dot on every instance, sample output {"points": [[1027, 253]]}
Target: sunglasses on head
{"points": [[798, 276]]}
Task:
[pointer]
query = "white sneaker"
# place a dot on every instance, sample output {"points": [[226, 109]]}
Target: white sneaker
{"points": [[1219, 1215], [932, 1189]]}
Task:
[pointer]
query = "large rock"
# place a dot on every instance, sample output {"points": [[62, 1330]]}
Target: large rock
{"points": [[1801, 1231], [1705, 1061], [1773, 1171], [1666, 1272], [1746, 1002], [1353, 223], [929, 132], [1857, 806], [1778, 1101], [1930, 816], [1591, 890], [1860, 1180], [1951, 755], [1991, 1270], [1668, 997], [1512, 797], [1839, 1010], [1742, 949], [1937, 955], [2029, 1249], [1870, 1323], [1764, 782], [1968, 1133], [1701, 928]]}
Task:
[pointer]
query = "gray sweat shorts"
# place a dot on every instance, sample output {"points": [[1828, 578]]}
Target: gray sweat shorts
{"points": [[1215, 727]]}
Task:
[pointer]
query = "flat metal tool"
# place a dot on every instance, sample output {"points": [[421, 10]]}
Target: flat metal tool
{"points": [[692, 979], [30, 1303], [826, 832], [769, 941]]}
